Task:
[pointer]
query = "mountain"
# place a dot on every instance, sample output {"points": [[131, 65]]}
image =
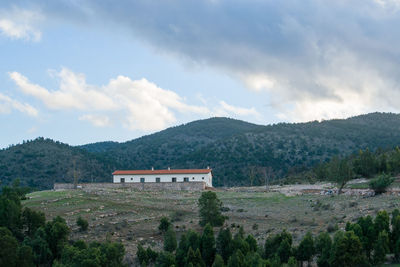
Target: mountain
{"points": [[41, 162], [236, 150]]}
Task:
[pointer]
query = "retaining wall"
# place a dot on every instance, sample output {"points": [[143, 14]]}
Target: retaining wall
{"points": [[185, 186]]}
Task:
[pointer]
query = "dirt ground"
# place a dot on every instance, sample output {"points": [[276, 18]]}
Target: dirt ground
{"points": [[133, 216]]}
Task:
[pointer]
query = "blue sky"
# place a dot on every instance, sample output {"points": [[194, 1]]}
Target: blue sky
{"points": [[87, 71]]}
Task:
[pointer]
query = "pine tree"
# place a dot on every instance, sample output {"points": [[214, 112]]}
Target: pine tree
{"points": [[218, 261], [170, 240], [208, 245], [223, 245], [323, 248], [306, 249], [210, 209], [381, 248], [236, 260]]}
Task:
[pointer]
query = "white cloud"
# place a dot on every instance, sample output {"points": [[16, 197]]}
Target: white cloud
{"points": [[227, 109], [8, 104], [19, 23], [96, 120], [136, 104]]}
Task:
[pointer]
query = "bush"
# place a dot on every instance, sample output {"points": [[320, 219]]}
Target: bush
{"points": [[82, 223], [164, 224], [381, 183]]}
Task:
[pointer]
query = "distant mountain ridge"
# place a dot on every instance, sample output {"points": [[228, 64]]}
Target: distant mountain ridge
{"points": [[233, 148]]}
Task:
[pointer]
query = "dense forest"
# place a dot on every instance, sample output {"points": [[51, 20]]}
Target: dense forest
{"points": [[239, 153]]}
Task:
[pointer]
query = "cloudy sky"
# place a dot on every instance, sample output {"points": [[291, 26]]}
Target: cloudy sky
{"points": [[82, 71]]}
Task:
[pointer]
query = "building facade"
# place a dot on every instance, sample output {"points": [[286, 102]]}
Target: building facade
{"points": [[163, 176]]}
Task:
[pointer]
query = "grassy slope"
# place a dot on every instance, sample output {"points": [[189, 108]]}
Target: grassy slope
{"points": [[133, 217]]}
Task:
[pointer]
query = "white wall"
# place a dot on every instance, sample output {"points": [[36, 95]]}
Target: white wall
{"points": [[151, 178]]}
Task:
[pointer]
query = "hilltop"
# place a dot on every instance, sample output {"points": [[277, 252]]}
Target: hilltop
{"points": [[233, 148]]}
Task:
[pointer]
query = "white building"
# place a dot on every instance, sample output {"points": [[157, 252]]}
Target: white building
{"points": [[164, 176]]}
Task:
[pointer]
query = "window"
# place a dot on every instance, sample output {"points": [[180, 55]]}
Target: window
{"points": [[186, 179], [142, 180], [174, 179], [158, 180], [202, 178], [122, 180], [192, 178], [131, 179]]}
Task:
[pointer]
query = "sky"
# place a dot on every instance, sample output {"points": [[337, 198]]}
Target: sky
{"points": [[83, 71]]}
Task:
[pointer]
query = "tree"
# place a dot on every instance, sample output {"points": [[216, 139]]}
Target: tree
{"points": [[236, 260], [166, 259], [381, 248], [194, 258], [381, 222], [32, 220], [347, 250], [142, 255], [208, 245], [341, 172], [210, 209], [164, 224], [323, 248], [56, 235], [8, 248], [224, 240], [218, 261], [381, 183], [395, 235], [182, 249], [170, 240], [82, 223], [252, 243], [306, 249]]}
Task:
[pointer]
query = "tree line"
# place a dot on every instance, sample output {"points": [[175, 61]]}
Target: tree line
{"points": [[26, 239], [365, 242]]}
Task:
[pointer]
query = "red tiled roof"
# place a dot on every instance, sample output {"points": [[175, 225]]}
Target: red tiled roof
{"points": [[179, 171]]}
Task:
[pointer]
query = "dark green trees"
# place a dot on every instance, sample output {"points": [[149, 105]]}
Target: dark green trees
{"points": [[381, 183], [207, 245], [164, 224], [82, 223], [306, 249], [170, 243], [210, 209]]}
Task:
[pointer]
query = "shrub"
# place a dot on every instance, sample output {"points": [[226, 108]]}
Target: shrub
{"points": [[164, 224], [82, 223], [381, 183]]}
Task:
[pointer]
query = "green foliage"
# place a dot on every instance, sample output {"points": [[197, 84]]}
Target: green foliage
{"points": [[57, 233], [8, 248], [170, 243], [347, 250], [207, 245], [164, 224], [276, 245], [223, 242], [210, 209], [236, 260], [323, 248], [381, 248], [306, 249], [32, 220], [166, 259], [82, 223], [218, 261], [232, 147], [381, 183]]}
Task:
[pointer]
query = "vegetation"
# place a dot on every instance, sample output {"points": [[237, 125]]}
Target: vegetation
{"points": [[365, 242], [240, 153], [82, 223], [26, 239], [210, 209], [381, 183]]}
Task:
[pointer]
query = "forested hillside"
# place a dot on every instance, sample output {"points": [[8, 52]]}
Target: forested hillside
{"points": [[239, 152], [41, 162]]}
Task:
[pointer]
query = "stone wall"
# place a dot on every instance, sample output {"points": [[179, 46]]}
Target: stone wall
{"points": [[185, 186]]}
